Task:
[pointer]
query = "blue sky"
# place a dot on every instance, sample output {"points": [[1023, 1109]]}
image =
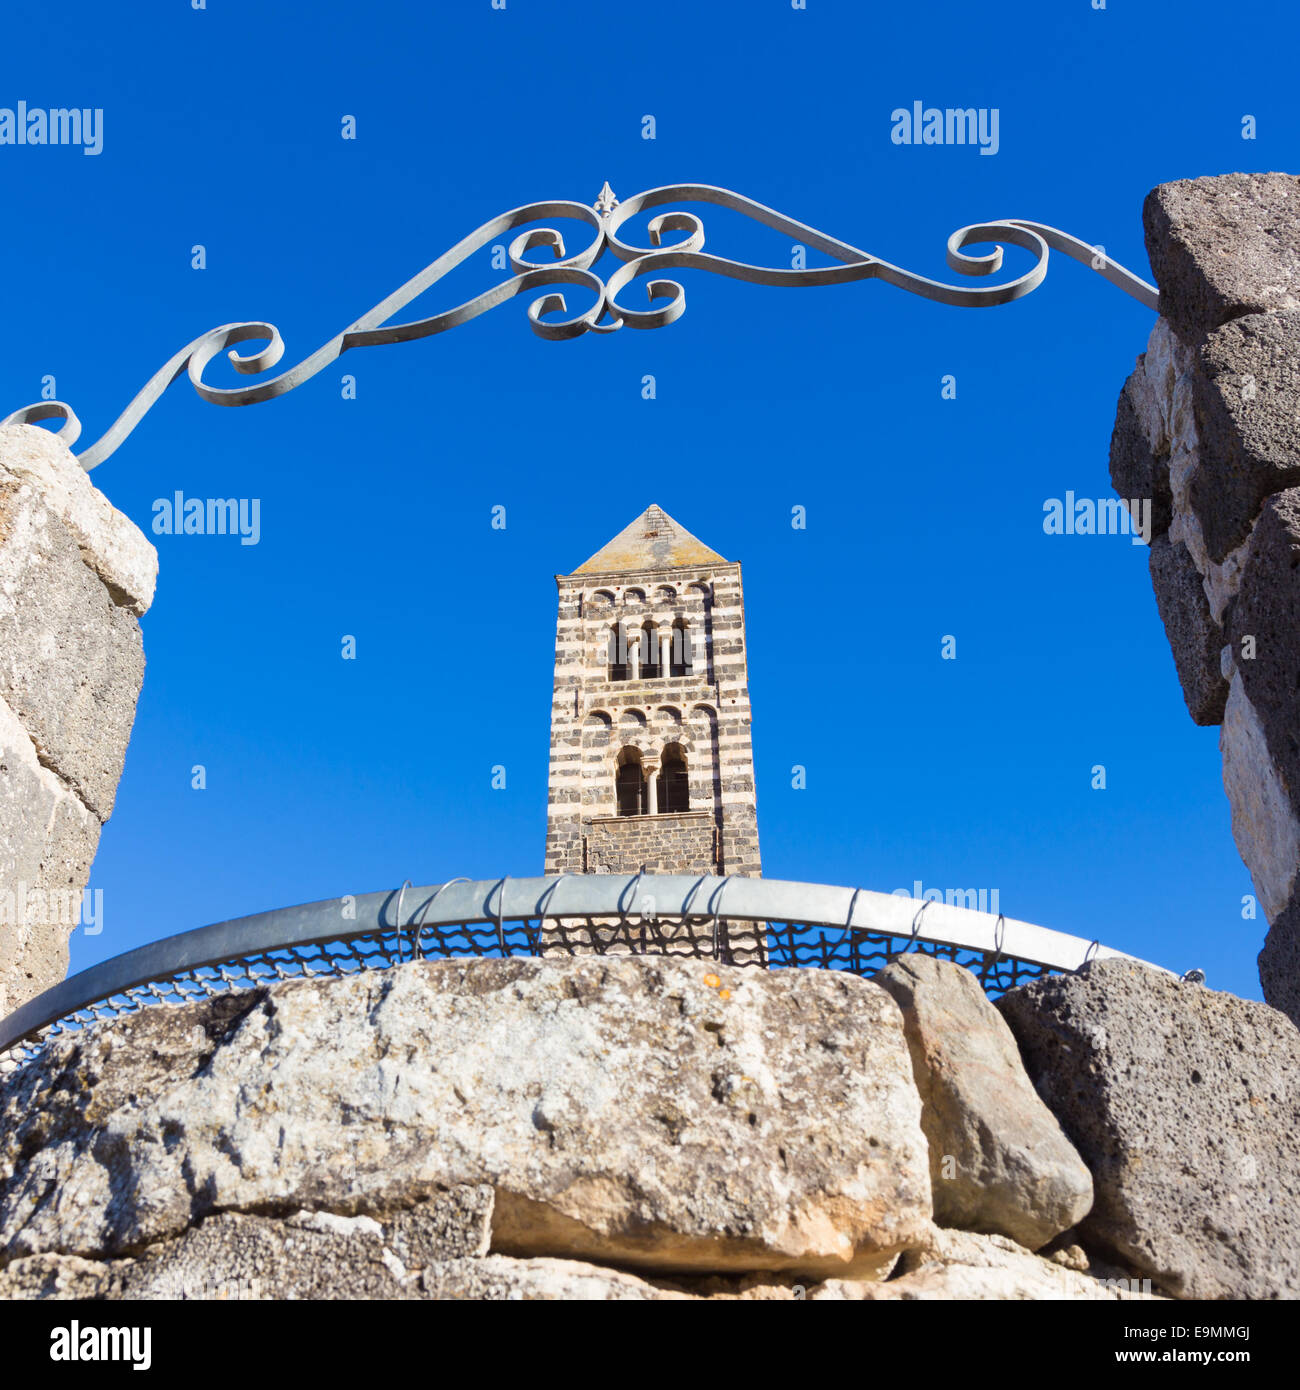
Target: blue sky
{"points": [[222, 128]]}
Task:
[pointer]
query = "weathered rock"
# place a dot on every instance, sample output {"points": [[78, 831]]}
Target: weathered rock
{"points": [[1246, 393], [242, 1257], [960, 1264], [998, 1160], [1265, 629], [1279, 963], [71, 660], [1261, 756], [1264, 823], [1225, 246], [498, 1278], [626, 1110], [47, 842], [1213, 411], [1139, 468], [1156, 445], [73, 575], [110, 543], [314, 1254], [1185, 1104], [1195, 639], [61, 1277]]}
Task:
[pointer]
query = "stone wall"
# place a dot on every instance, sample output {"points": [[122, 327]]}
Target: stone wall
{"points": [[1208, 427], [664, 844], [651, 1128], [75, 576]]}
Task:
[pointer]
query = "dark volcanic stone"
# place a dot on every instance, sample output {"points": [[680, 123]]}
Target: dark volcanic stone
{"points": [[1279, 963], [1267, 608], [1223, 247], [1194, 636], [1185, 1104], [1135, 469], [1246, 395]]}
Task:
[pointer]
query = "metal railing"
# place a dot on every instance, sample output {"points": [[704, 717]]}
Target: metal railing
{"points": [[770, 923], [570, 263]]}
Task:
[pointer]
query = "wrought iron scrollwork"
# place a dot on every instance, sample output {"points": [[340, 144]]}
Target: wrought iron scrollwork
{"points": [[606, 220]]}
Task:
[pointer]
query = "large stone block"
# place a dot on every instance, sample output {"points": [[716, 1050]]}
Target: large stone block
{"points": [[998, 1160], [71, 659], [1261, 749], [1195, 639], [47, 842], [1246, 395], [657, 1114], [1185, 1104], [1264, 821], [110, 543], [1138, 468], [984, 1268], [1225, 246], [1279, 963], [314, 1255]]}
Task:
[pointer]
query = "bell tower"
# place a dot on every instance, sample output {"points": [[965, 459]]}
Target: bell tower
{"points": [[651, 758]]}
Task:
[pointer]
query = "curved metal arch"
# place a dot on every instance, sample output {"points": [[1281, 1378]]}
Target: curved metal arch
{"points": [[605, 221], [501, 900]]}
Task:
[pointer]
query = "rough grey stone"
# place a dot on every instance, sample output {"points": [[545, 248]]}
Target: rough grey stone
{"points": [[1279, 963], [1264, 821], [650, 1112], [47, 842], [968, 1266], [254, 1257], [111, 544], [1137, 468], [312, 1255], [1267, 610], [1185, 1104], [998, 1160], [74, 573], [1223, 247], [60, 1277], [1194, 637], [1246, 399], [498, 1278], [71, 660], [1262, 748]]}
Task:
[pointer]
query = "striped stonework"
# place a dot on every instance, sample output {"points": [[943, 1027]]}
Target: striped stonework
{"points": [[651, 759]]}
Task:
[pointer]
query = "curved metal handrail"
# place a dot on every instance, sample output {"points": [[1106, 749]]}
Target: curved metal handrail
{"points": [[567, 896]]}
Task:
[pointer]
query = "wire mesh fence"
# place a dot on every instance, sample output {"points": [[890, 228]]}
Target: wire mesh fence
{"points": [[755, 945]]}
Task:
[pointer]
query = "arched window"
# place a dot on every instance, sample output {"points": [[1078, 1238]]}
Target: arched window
{"points": [[620, 668], [629, 783], [683, 652], [650, 667], [674, 786]]}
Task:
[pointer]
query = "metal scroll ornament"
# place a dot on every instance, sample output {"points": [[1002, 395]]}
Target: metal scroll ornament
{"points": [[676, 242]]}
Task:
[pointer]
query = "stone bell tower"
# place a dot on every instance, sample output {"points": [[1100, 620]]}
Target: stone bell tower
{"points": [[651, 760]]}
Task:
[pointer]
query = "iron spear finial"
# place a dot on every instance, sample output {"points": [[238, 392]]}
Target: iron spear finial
{"points": [[605, 202]]}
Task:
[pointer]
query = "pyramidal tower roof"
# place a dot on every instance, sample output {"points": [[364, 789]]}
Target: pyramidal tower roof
{"points": [[654, 541]]}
